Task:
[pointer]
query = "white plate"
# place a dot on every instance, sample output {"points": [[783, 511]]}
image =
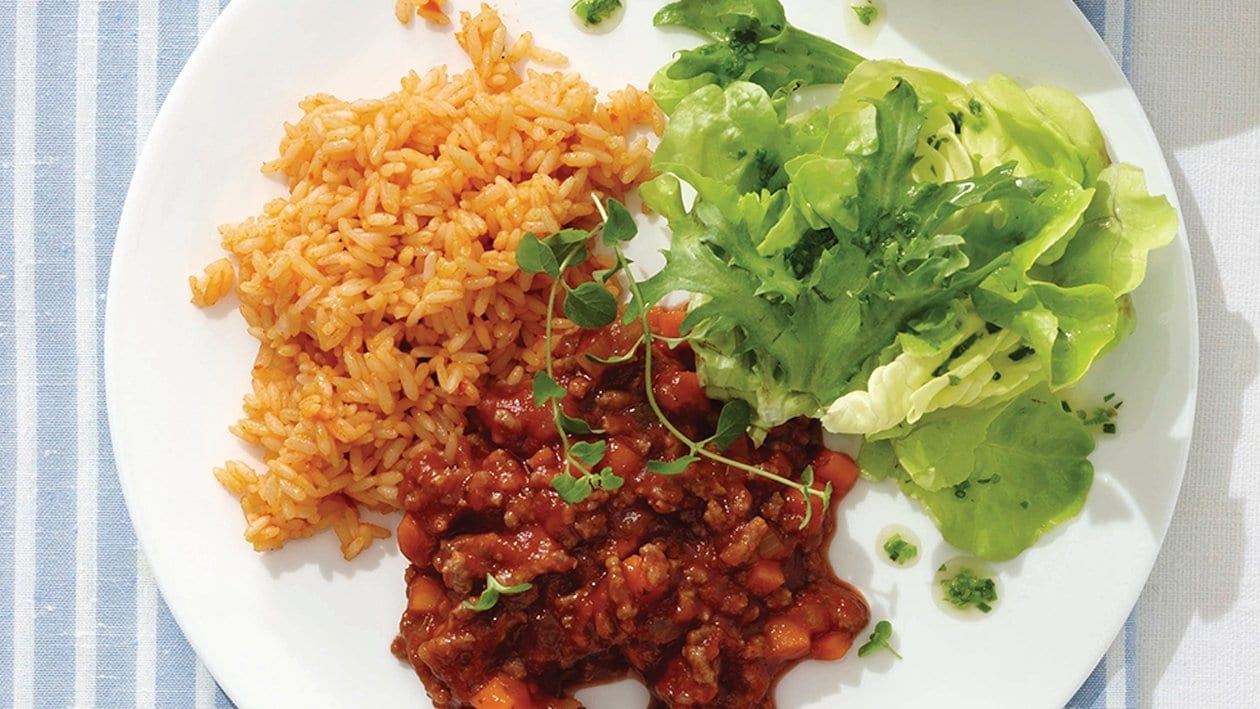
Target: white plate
{"points": [[301, 627]]}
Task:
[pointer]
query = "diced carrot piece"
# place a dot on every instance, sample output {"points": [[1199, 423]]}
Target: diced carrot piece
{"points": [[680, 391], [623, 459], [425, 595], [764, 576], [787, 638], [831, 646], [411, 540], [667, 323], [636, 574], [837, 469], [502, 692]]}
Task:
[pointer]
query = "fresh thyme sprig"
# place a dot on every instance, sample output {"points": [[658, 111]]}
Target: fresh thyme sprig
{"points": [[590, 305]]}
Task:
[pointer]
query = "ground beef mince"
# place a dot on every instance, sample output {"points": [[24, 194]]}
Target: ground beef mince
{"points": [[703, 585]]}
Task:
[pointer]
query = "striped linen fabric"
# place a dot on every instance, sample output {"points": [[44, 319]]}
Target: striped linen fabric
{"points": [[81, 621]]}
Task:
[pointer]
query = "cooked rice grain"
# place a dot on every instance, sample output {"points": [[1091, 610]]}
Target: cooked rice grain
{"points": [[217, 281], [430, 10], [385, 287]]}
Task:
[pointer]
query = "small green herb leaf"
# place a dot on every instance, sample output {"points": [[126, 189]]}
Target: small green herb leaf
{"points": [[574, 425], [567, 247], [533, 257], [590, 305], [568, 237], [587, 453], [620, 225], [609, 480], [546, 389], [494, 589], [671, 467], [899, 551], [879, 640], [732, 423], [570, 489], [616, 359], [807, 482]]}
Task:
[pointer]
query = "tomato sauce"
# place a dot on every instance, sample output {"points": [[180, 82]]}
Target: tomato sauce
{"points": [[702, 585]]}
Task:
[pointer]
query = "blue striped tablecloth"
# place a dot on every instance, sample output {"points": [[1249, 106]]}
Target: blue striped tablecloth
{"points": [[81, 622]]}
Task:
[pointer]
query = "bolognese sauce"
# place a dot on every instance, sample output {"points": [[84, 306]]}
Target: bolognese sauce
{"points": [[707, 586]]}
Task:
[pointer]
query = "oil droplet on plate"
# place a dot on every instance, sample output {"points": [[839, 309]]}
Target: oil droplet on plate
{"points": [[900, 555], [967, 588]]}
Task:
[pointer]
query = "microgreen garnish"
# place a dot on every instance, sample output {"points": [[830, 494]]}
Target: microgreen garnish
{"points": [[617, 359], [546, 389], [866, 14], [494, 589], [899, 551], [590, 305], [879, 640], [967, 589], [732, 423], [676, 466], [593, 12], [553, 256]]}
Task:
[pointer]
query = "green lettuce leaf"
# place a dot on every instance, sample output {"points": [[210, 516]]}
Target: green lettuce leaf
{"points": [[1123, 224], [971, 367], [866, 249], [922, 262], [992, 479], [751, 41]]}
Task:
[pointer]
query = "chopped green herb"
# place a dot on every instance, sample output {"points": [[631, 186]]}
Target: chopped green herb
{"points": [[879, 640], [593, 12], [494, 589], [1101, 417], [1020, 353], [899, 551], [866, 14], [974, 107], [966, 590]]}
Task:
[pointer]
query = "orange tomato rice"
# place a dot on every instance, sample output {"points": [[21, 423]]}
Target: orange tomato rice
{"points": [[384, 287]]}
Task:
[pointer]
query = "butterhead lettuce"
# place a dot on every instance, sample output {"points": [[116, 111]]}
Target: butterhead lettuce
{"points": [[922, 262]]}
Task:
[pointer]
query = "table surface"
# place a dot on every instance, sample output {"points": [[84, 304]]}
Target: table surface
{"points": [[81, 622]]}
